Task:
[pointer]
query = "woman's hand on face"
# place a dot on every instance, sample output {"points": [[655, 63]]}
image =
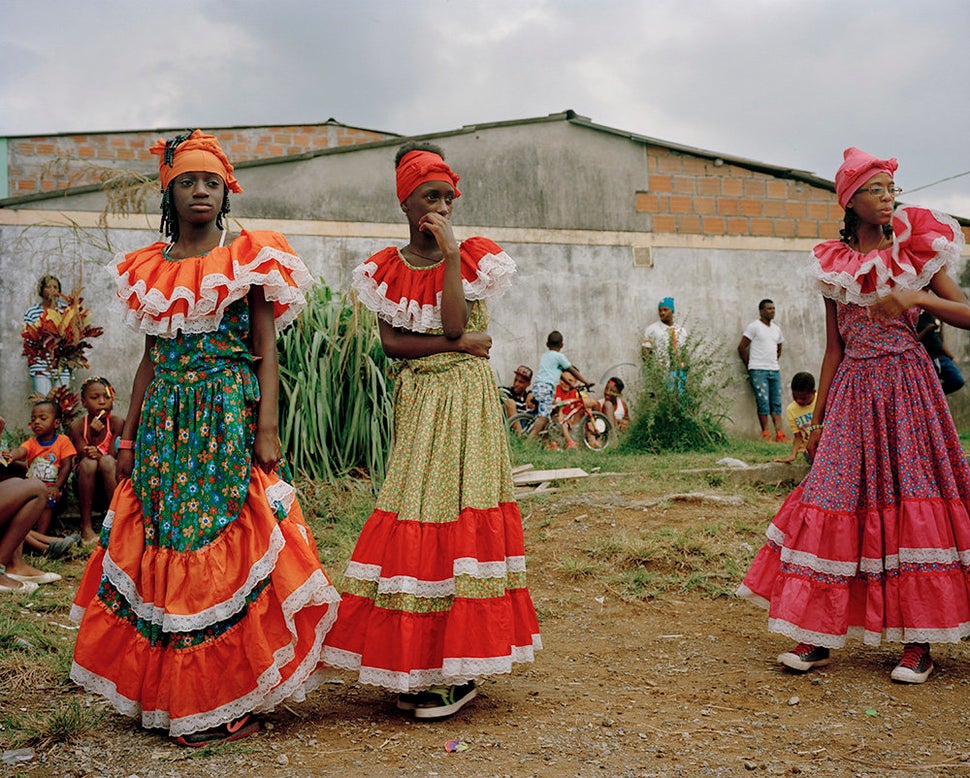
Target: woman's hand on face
{"points": [[477, 344], [267, 450], [125, 463], [439, 226]]}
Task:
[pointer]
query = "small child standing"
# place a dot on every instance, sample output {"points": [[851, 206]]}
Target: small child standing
{"points": [[50, 457], [93, 436], [799, 414], [552, 364]]}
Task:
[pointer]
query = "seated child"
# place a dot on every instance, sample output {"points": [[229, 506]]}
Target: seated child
{"points": [[613, 405], [799, 413], [49, 456], [93, 436], [569, 402], [21, 503]]}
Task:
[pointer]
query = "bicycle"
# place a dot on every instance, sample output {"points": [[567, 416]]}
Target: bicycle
{"points": [[597, 432]]}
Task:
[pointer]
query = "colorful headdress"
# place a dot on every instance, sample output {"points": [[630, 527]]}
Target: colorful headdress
{"points": [[419, 167], [667, 302], [858, 168], [198, 152]]}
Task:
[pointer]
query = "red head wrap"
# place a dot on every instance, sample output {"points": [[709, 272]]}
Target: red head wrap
{"points": [[198, 153], [419, 167], [858, 168]]}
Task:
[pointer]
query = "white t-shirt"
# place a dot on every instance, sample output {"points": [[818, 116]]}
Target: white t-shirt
{"points": [[764, 339], [657, 336]]}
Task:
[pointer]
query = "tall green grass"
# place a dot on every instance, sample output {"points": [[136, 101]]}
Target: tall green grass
{"points": [[334, 402]]}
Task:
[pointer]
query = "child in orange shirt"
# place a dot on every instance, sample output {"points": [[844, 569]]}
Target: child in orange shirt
{"points": [[50, 457]]}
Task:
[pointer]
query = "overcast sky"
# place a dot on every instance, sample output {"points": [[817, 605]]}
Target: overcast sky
{"points": [[785, 82]]}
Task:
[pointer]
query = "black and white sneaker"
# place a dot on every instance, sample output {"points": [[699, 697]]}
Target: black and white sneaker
{"points": [[915, 666], [444, 701], [804, 657]]}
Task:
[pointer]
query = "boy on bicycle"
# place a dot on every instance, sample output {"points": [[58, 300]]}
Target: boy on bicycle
{"points": [[552, 364]]}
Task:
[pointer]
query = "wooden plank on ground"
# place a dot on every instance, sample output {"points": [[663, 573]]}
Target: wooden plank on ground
{"points": [[538, 476], [522, 468]]}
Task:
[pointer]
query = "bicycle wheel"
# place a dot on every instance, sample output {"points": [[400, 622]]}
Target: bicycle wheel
{"points": [[598, 432], [520, 424]]}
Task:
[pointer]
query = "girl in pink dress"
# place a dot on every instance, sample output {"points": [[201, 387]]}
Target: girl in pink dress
{"points": [[875, 542]]}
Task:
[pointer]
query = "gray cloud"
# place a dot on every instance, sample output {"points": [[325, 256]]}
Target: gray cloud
{"points": [[789, 83]]}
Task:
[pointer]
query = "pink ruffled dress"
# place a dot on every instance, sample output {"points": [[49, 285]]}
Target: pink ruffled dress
{"points": [[875, 542]]}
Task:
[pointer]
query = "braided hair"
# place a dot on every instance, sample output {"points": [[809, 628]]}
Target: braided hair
{"points": [[96, 379], [849, 233], [169, 225]]}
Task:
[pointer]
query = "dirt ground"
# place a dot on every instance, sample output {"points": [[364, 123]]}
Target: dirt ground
{"points": [[683, 685]]}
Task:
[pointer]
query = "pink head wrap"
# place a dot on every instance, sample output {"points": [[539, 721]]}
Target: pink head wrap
{"points": [[197, 153], [419, 167], [858, 168]]}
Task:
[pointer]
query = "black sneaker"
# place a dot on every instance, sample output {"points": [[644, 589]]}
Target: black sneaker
{"points": [[444, 701], [804, 657], [915, 666]]}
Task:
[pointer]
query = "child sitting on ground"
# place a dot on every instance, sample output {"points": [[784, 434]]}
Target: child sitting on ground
{"points": [[552, 365], [799, 414], [50, 457], [613, 405], [93, 436]]}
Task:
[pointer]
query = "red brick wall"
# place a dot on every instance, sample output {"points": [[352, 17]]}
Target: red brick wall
{"points": [[692, 195], [53, 162]]}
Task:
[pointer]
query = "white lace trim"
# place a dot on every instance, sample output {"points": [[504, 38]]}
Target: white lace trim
{"points": [[109, 519], [77, 613], [406, 584], [281, 494], [170, 622], [269, 690], [844, 287], [869, 637], [454, 671], [205, 309], [495, 272], [819, 565]]}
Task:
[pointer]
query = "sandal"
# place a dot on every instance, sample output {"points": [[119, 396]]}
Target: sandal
{"points": [[226, 733], [58, 548]]}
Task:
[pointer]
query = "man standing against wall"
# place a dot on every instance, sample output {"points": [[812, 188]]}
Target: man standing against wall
{"points": [[760, 348], [662, 339]]}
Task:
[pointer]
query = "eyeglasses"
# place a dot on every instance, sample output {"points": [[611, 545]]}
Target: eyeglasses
{"points": [[878, 190]]}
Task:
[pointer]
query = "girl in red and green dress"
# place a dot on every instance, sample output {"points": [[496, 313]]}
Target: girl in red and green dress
{"points": [[435, 594], [205, 600]]}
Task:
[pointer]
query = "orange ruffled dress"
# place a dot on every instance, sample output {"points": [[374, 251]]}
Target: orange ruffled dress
{"points": [[435, 592], [875, 542], [205, 598]]}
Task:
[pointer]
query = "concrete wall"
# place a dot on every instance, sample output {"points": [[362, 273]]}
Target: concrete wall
{"points": [[602, 226]]}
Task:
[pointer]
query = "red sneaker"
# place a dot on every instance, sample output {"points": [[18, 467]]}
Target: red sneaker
{"points": [[915, 666], [804, 657], [780, 437]]}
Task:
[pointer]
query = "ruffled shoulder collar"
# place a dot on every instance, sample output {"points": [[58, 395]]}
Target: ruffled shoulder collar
{"points": [[924, 241], [409, 297], [162, 297]]}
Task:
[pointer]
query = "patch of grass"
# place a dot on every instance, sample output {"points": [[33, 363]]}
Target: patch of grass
{"points": [[63, 720], [709, 559]]}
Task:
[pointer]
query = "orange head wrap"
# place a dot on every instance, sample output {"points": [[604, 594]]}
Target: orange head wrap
{"points": [[198, 152], [419, 167]]}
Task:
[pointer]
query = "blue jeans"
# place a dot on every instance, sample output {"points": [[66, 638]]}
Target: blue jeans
{"points": [[767, 391], [950, 375]]}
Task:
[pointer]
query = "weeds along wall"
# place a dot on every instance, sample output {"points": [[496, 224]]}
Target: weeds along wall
{"points": [[599, 289]]}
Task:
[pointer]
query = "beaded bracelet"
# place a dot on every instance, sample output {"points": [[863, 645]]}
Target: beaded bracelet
{"points": [[126, 445], [813, 427]]}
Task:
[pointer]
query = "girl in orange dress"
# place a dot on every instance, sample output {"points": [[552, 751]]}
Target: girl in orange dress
{"points": [[205, 600], [435, 591]]}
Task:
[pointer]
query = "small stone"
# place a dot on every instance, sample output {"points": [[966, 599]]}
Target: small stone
{"points": [[283, 760], [749, 765], [794, 700]]}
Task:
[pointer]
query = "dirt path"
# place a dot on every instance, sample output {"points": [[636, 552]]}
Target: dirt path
{"points": [[679, 686]]}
